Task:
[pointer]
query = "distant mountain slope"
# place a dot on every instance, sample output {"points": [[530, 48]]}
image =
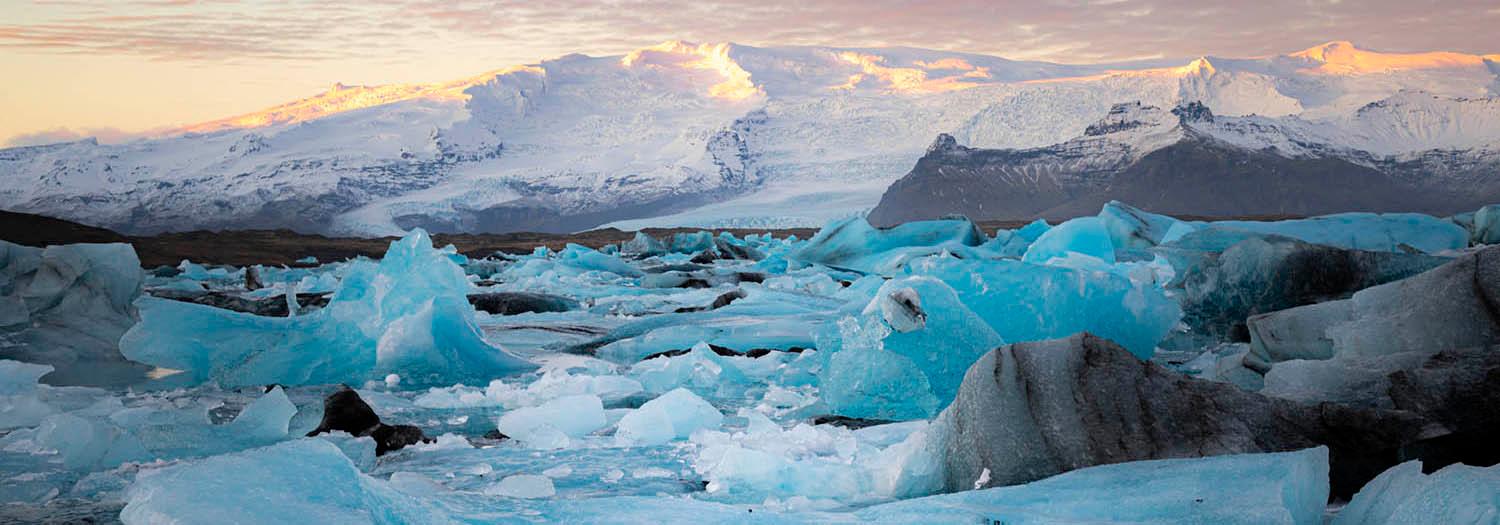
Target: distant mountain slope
{"points": [[1187, 161], [724, 135]]}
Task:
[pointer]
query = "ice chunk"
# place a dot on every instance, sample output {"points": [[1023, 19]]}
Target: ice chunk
{"points": [[1379, 232], [408, 315], [587, 259], [692, 242], [1403, 494], [643, 245], [1443, 308], [821, 462], [675, 414], [1267, 273], [1286, 488], [265, 419], [551, 424], [700, 369], [307, 480], [853, 244], [526, 486], [1083, 235], [1486, 225], [1131, 228], [1029, 302], [67, 306], [19, 404], [88, 444], [884, 365]]}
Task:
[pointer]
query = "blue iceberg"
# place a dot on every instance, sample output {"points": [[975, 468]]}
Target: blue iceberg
{"points": [[407, 314]]}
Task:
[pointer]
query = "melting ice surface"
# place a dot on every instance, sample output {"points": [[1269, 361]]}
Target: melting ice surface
{"points": [[665, 390]]}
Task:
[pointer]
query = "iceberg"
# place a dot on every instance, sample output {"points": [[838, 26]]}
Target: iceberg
{"points": [[1029, 302], [1287, 487], [1084, 235], [67, 306], [552, 424], [307, 480], [1262, 274], [1132, 229], [1486, 224], [905, 355], [853, 244], [643, 245], [406, 314], [673, 415], [310, 479], [525, 486], [1403, 494], [20, 404], [1376, 232]]}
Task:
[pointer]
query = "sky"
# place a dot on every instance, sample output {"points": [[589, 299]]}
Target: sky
{"points": [[118, 68]]}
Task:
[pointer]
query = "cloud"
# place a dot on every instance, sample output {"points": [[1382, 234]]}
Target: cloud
{"points": [[104, 135], [1058, 30]]}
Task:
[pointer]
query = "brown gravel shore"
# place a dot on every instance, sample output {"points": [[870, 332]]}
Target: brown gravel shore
{"points": [[276, 247]]}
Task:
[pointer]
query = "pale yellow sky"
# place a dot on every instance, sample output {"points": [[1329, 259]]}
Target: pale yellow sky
{"points": [[84, 67]]}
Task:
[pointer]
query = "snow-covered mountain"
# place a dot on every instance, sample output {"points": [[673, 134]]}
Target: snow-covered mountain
{"points": [[722, 134], [1408, 152]]}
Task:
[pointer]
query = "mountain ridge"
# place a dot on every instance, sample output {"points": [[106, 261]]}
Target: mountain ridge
{"points": [[684, 134]]}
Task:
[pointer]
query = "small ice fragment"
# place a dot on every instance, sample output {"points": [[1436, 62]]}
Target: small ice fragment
{"points": [[478, 469], [984, 477], [528, 486], [613, 476], [560, 471], [391, 380], [652, 472]]}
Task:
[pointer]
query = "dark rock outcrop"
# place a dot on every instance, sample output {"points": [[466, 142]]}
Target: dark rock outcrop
{"points": [[512, 303], [1195, 173], [344, 411], [1031, 410]]}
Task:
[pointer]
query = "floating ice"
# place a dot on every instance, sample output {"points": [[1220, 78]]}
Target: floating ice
{"points": [[1029, 302], [1379, 232], [853, 244], [888, 365], [1084, 235], [1486, 225], [526, 486], [553, 423], [675, 414], [1133, 229], [587, 259], [67, 306], [819, 462], [408, 315], [1403, 494], [643, 245], [307, 480], [20, 405], [1287, 488]]}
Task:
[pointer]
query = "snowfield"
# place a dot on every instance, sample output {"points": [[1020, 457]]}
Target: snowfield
{"points": [[684, 134]]}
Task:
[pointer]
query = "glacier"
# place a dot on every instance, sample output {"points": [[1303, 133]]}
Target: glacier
{"points": [[725, 134]]}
